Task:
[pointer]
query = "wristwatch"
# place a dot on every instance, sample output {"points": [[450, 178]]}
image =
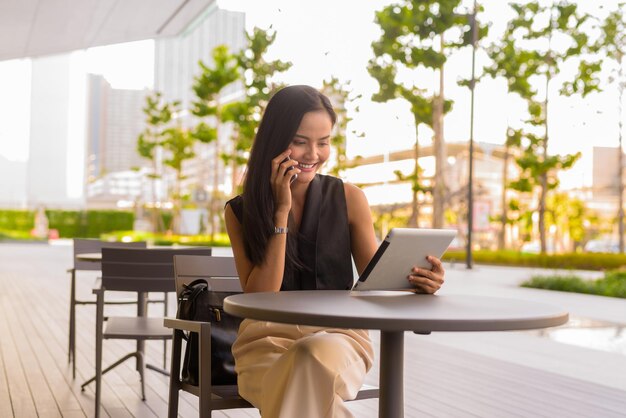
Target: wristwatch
{"points": [[280, 230]]}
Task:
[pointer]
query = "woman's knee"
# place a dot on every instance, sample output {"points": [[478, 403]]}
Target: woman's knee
{"points": [[329, 350]]}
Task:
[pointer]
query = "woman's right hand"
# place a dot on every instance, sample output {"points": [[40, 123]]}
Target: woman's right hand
{"points": [[281, 180]]}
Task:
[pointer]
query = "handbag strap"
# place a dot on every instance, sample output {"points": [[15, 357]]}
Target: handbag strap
{"points": [[197, 286]]}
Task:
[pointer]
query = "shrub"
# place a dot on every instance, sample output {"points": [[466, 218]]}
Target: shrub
{"points": [[613, 284]]}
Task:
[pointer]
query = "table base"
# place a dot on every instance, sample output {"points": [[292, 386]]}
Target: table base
{"points": [[391, 402]]}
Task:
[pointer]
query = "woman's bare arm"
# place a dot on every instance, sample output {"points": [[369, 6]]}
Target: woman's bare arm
{"points": [[266, 277], [362, 236]]}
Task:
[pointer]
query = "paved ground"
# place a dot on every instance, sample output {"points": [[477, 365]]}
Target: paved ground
{"points": [[503, 374]]}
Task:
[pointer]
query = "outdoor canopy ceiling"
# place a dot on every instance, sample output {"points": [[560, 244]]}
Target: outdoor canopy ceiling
{"points": [[30, 28]]}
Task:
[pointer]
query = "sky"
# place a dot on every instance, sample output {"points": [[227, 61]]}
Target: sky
{"points": [[326, 38]]}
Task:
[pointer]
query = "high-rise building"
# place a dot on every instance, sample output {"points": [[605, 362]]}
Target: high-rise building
{"points": [[605, 175], [115, 120], [176, 58]]}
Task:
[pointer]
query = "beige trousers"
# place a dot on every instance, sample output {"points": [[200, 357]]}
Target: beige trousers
{"points": [[292, 371]]}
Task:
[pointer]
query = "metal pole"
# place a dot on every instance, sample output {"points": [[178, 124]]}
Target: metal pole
{"points": [[470, 183], [391, 379], [620, 213]]}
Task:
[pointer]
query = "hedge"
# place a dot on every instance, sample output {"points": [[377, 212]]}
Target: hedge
{"points": [[70, 224], [17, 220], [577, 261], [221, 240]]}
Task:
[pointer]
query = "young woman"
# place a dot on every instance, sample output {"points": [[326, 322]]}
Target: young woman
{"points": [[294, 229]]}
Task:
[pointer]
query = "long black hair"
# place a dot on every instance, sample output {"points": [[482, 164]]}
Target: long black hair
{"points": [[279, 124]]}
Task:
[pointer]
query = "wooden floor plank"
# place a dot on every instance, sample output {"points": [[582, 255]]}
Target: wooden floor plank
{"points": [[55, 334], [514, 389], [22, 402], [6, 409], [578, 397], [28, 343]]}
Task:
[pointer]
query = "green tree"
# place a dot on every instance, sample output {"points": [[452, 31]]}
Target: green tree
{"points": [[208, 108], [516, 67], [257, 75], [567, 217], [513, 142], [177, 148], [340, 95], [417, 35], [159, 114], [612, 44], [528, 45]]}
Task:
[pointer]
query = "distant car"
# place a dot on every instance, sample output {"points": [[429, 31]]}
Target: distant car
{"points": [[602, 246], [534, 247], [457, 244]]}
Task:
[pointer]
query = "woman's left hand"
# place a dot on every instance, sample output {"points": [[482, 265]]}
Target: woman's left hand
{"points": [[428, 281]]}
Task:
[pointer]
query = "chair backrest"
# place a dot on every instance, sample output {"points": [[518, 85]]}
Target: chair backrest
{"points": [[142, 270], [84, 245], [219, 272]]}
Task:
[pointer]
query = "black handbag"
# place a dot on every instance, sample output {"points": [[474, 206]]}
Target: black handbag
{"points": [[197, 302]]}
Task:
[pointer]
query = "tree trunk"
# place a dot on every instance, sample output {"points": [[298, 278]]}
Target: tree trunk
{"points": [[157, 221], [216, 180], [543, 187], [234, 165], [439, 188], [620, 212], [504, 217], [415, 210], [176, 219], [213, 205]]}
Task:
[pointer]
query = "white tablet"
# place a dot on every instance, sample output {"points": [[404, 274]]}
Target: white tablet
{"points": [[402, 249]]}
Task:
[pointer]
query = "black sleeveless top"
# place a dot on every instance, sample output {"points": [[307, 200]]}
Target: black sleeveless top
{"points": [[323, 240]]}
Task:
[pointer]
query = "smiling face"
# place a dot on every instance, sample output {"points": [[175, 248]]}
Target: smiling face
{"points": [[310, 146]]}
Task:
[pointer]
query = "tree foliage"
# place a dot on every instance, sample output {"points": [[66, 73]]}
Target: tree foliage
{"points": [[527, 53], [208, 108], [567, 217], [416, 35], [612, 43], [340, 95], [177, 148], [159, 115], [207, 87], [257, 74]]}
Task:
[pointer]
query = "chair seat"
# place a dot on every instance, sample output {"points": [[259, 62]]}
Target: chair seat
{"points": [[133, 327], [368, 392]]}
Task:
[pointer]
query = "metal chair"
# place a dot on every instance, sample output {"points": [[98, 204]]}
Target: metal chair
{"points": [[85, 246], [141, 271], [221, 275]]}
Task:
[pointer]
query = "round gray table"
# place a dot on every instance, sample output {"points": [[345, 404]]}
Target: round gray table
{"points": [[393, 313]]}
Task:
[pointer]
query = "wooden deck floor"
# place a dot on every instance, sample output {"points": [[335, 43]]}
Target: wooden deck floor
{"points": [[441, 380]]}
